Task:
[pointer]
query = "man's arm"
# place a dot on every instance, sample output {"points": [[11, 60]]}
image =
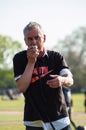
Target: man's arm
{"points": [[24, 81], [64, 79]]}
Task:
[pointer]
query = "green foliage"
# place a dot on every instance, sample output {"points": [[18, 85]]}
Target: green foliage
{"points": [[8, 48], [73, 47], [6, 79]]}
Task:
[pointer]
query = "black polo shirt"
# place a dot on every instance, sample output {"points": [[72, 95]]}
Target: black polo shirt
{"points": [[41, 101]]}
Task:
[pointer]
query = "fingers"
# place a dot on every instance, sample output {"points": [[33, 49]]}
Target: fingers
{"points": [[55, 82], [32, 47], [32, 52]]}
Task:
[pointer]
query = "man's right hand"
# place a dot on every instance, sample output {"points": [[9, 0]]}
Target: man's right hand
{"points": [[32, 54]]}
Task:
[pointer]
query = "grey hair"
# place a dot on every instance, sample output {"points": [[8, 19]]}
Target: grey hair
{"points": [[32, 25]]}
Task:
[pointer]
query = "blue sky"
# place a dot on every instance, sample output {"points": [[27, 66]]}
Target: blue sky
{"points": [[58, 17]]}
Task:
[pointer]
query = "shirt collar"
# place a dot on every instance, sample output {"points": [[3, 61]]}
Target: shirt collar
{"points": [[45, 53]]}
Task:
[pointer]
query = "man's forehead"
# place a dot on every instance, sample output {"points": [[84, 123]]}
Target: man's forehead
{"points": [[34, 32]]}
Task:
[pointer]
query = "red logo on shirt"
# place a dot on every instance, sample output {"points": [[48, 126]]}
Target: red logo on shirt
{"points": [[43, 71]]}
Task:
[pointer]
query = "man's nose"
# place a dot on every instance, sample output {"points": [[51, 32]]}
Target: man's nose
{"points": [[34, 41]]}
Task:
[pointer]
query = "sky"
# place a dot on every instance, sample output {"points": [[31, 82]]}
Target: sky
{"points": [[58, 18]]}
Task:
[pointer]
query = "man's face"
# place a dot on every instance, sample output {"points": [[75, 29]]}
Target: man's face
{"points": [[35, 37]]}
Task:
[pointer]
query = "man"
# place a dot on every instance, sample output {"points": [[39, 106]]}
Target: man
{"points": [[40, 75]]}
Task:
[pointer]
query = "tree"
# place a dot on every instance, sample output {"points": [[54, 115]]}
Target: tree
{"points": [[73, 47], [6, 79], [8, 48]]}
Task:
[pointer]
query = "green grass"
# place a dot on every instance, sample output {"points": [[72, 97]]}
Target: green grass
{"points": [[8, 120], [12, 127], [78, 109], [15, 121], [11, 118], [78, 102], [12, 105]]}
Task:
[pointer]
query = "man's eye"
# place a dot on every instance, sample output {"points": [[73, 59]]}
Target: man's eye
{"points": [[30, 39], [36, 37]]}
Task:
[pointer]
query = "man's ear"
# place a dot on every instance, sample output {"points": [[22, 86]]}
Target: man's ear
{"points": [[44, 38]]}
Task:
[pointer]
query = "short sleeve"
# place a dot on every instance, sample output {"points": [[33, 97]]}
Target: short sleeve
{"points": [[19, 64]]}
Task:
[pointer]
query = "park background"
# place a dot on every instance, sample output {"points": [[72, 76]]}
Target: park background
{"points": [[64, 23]]}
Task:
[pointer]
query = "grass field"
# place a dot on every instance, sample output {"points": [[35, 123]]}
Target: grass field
{"points": [[11, 113]]}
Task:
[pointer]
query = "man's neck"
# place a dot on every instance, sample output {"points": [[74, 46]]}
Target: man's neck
{"points": [[41, 54]]}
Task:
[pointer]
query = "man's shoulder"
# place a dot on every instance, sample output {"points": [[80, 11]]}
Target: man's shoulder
{"points": [[52, 52], [20, 54]]}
